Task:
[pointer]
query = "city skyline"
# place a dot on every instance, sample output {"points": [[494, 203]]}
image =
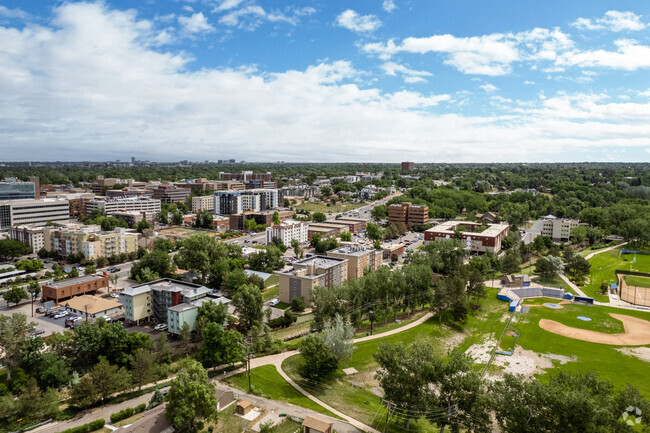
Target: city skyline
{"points": [[383, 80]]}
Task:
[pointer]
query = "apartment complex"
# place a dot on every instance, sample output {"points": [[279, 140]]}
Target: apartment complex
{"points": [[309, 273], [408, 166], [408, 213], [171, 194], [202, 184], [251, 180], [103, 184], [38, 212], [124, 204], [327, 228], [14, 189], [236, 202], [486, 241], [64, 289], [287, 232], [137, 304], [558, 229], [203, 202], [266, 218], [359, 259], [33, 237]]}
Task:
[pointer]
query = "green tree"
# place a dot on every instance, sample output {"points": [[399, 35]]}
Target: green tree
{"points": [[162, 349], [213, 312], [318, 361], [105, 380], [248, 303], [90, 269], [142, 225], [276, 218], [298, 303], [14, 339], [346, 237], [511, 262], [162, 244], [10, 249], [318, 217], [156, 399], [337, 338], [15, 295], [374, 232], [34, 290], [185, 335], [143, 367], [549, 267], [379, 212], [191, 399], [295, 244], [220, 346], [233, 280]]}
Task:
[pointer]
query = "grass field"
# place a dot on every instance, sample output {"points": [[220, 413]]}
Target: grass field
{"points": [[228, 422], [603, 266], [288, 426], [322, 207], [270, 384], [556, 282], [270, 293], [272, 280], [635, 281]]}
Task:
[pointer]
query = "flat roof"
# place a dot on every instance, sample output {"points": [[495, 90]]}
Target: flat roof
{"points": [[354, 220], [134, 291], [167, 284], [448, 227], [326, 224], [351, 250], [76, 280], [320, 262], [182, 307], [322, 229]]}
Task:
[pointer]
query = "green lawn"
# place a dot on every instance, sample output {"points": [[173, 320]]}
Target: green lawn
{"points": [[270, 293], [603, 266], [556, 282], [322, 207], [540, 301], [272, 280], [635, 281], [228, 422], [288, 426], [268, 382], [128, 421]]}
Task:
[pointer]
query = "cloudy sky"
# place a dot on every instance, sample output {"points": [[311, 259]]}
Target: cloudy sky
{"points": [[327, 80]]}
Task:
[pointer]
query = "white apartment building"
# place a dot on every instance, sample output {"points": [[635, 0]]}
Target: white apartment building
{"points": [[287, 232], [231, 202], [34, 237], [204, 202], [124, 204], [36, 212], [558, 229]]}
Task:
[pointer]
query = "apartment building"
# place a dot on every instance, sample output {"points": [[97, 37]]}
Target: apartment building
{"points": [[15, 189], [33, 237], [102, 184], [137, 304], [359, 259], [408, 213], [558, 229], [408, 166], [129, 192], [251, 180], [355, 225], [122, 204], [235, 202], [180, 314], [309, 273], [34, 212], [266, 218], [486, 241], [287, 232], [336, 229], [171, 194], [89, 240], [77, 200], [64, 289], [204, 202]]}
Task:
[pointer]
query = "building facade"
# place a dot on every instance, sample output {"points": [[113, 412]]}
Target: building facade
{"points": [[203, 202], [171, 194], [137, 304], [287, 232], [92, 307], [309, 273], [33, 212], [64, 289], [408, 213], [359, 259], [486, 241], [14, 189], [408, 166], [124, 204], [558, 229]]}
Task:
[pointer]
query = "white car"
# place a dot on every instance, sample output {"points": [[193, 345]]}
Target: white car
{"points": [[274, 302], [160, 327], [115, 295], [61, 314]]}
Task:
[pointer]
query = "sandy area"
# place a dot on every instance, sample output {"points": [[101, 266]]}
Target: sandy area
{"points": [[643, 353], [637, 332], [522, 361]]}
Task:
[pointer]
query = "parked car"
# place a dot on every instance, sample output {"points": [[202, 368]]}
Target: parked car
{"points": [[160, 327], [61, 314], [38, 332], [40, 310], [115, 295], [274, 302]]}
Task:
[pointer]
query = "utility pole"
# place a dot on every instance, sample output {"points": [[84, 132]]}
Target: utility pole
{"points": [[387, 415]]}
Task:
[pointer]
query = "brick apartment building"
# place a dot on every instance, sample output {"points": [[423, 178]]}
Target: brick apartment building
{"points": [[64, 289], [486, 241], [408, 166], [408, 213]]}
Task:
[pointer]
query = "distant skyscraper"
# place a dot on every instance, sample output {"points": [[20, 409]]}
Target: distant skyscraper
{"points": [[133, 160], [408, 166]]}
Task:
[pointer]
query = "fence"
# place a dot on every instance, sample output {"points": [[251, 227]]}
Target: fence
{"points": [[630, 293]]}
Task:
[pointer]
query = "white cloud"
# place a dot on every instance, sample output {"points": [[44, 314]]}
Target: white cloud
{"points": [[196, 23], [489, 88], [629, 56], [252, 16], [615, 21], [529, 82], [389, 5], [225, 5], [90, 86], [351, 20], [13, 13], [409, 75]]}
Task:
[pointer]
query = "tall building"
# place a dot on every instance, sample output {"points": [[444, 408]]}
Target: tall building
{"points": [[251, 180], [36, 212], [287, 232], [558, 229], [91, 241], [236, 202], [171, 194], [408, 213], [359, 259], [408, 166], [124, 204], [309, 273], [486, 241], [14, 189], [203, 202]]}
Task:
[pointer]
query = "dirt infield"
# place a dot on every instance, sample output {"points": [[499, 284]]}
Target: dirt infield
{"points": [[632, 294], [637, 332]]}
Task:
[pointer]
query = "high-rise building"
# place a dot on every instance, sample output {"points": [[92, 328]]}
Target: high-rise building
{"points": [[236, 202], [14, 189], [36, 212], [287, 232], [408, 213], [408, 166], [251, 180]]}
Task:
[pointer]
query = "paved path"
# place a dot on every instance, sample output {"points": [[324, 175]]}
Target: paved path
{"points": [[588, 256], [573, 286]]}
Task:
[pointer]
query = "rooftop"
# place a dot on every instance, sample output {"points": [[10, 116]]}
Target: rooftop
{"points": [[182, 307], [449, 227], [76, 280], [321, 262], [92, 304], [167, 284], [352, 250], [135, 291]]}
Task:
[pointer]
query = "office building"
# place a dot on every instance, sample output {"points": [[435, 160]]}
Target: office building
{"points": [[103, 184], [14, 189], [287, 232], [355, 225], [35, 212], [359, 259], [408, 213], [309, 273], [171, 194], [334, 230], [265, 218], [137, 304], [129, 192], [558, 229], [124, 204], [64, 289], [486, 241], [408, 166]]}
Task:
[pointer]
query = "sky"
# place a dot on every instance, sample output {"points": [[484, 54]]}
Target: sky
{"points": [[325, 81]]}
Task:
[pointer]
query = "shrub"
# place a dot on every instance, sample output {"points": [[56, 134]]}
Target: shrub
{"points": [[139, 408], [123, 414], [87, 428]]}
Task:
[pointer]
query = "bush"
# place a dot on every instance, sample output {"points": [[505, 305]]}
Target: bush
{"points": [[298, 303], [283, 321], [128, 412], [86, 428]]}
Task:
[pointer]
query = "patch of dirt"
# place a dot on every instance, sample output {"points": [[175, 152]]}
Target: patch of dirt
{"points": [[522, 361], [454, 341], [365, 377], [643, 353], [637, 332]]}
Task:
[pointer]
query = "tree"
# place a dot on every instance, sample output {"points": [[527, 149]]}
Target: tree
{"points": [[191, 399], [143, 367], [549, 267], [318, 217], [298, 303], [14, 339], [233, 280], [213, 312], [374, 232], [36, 404], [101, 262], [34, 290], [142, 225], [318, 361], [156, 399], [114, 278], [337, 338], [295, 244], [346, 236], [379, 212], [185, 334], [276, 218], [90, 269], [105, 380], [158, 262], [10, 249], [220, 346], [74, 273], [162, 349], [15, 295], [162, 244], [248, 303], [511, 262], [266, 260], [577, 266], [196, 254]]}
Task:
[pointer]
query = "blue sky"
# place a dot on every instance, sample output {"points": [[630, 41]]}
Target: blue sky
{"points": [[370, 80]]}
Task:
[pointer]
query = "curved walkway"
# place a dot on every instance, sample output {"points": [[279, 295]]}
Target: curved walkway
{"points": [[574, 287], [590, 255]]}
